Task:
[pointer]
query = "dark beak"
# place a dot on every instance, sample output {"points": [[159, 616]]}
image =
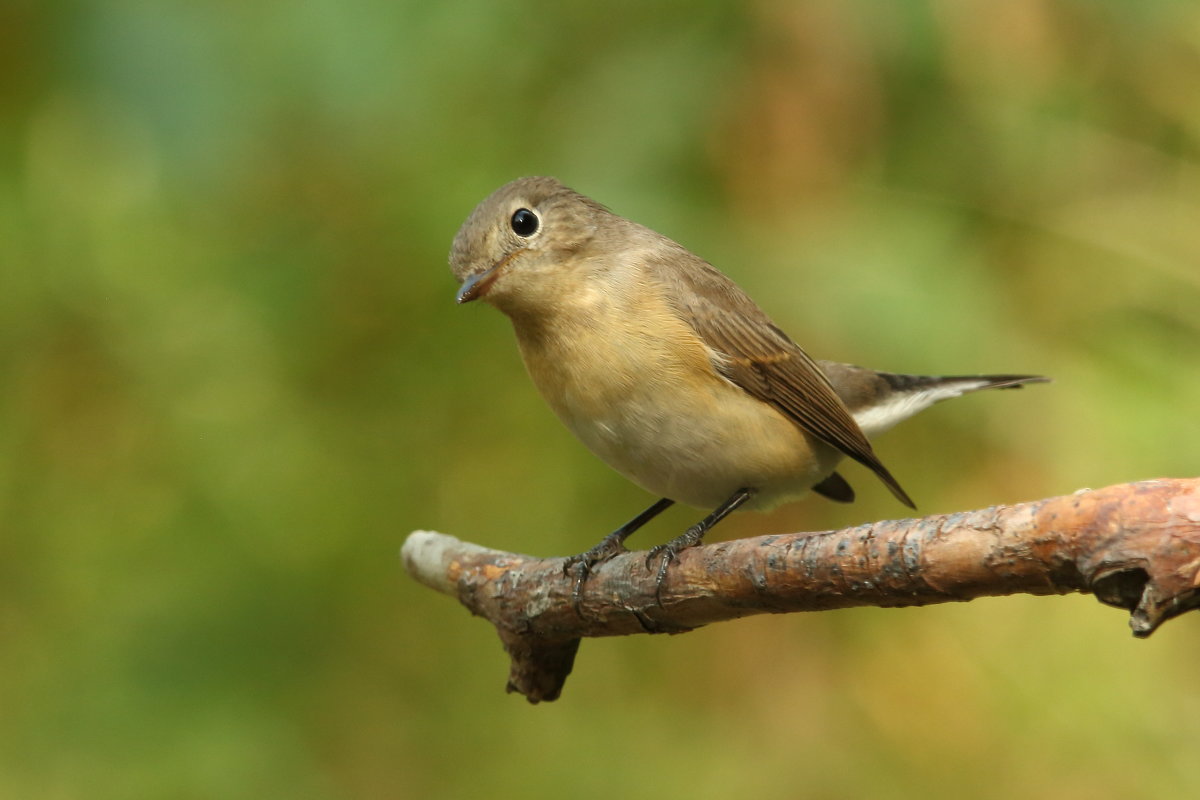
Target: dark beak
{"points": [[477, 285]]}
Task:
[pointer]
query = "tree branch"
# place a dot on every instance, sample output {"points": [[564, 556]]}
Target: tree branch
{"points": [[1135, 546]]}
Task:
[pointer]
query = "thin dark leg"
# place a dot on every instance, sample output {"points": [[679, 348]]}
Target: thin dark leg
{"points": [[691, 537], [609, 546]]}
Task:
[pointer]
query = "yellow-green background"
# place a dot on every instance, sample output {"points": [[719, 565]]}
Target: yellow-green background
{"points": [[234, 378]]}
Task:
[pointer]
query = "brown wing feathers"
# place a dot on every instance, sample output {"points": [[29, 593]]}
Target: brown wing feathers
{"points": [[763, 361]]}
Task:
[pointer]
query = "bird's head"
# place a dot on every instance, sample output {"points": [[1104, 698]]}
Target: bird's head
{"points": [[524, 244]]}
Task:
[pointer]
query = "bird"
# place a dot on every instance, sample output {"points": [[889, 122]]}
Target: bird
{"points": [[667, 370]]}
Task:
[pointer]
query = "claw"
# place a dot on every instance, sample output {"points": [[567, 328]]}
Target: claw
{"points": [[609, 546], [667, 557], [583, 564], [666, 553], [691, 537]]}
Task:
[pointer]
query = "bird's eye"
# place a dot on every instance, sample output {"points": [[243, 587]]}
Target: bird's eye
{"points": [[524, 222]]}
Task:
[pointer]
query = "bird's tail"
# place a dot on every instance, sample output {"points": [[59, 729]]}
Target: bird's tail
{"points": [[878, 400]]}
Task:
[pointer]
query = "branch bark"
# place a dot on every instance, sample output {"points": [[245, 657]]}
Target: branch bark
{"points": [[1135, 546]]}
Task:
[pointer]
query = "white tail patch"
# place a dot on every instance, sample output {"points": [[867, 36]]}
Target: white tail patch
{"points": [[898, 407]]}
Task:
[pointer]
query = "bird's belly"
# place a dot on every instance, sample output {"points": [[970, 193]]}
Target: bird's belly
{"points": [[660, 415], [700, 446]]}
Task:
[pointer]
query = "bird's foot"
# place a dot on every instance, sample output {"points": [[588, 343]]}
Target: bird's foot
{"points": [[666, 553], [583, 565]]}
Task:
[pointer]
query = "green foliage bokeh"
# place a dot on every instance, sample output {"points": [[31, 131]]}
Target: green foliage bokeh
{"points": [[234, 379]]}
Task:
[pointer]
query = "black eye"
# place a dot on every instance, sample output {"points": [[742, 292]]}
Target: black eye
{"points": [[524, 222]]}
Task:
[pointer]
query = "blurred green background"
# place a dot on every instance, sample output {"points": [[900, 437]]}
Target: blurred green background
{"points": [[234, 378]]}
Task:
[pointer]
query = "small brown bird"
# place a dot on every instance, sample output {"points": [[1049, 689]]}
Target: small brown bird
{"points": [[668, 371]]}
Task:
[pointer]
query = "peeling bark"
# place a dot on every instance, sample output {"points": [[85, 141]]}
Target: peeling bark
{"points": [[1135, 546]]}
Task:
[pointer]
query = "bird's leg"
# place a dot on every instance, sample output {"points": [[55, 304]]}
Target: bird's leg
{"points": [[666, 553], [609, 546]]}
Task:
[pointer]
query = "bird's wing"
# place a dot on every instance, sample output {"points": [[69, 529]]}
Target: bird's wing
{"points": [[761, 359]]}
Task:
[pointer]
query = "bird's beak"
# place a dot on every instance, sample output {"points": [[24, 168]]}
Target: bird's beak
{"points": [[477, 285]]}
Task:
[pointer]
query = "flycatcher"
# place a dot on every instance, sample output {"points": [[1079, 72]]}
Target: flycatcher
{"points": [[668, 371]]}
